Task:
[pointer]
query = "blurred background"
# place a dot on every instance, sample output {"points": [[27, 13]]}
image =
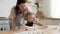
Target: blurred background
{"points": [[50, 8], [47, 11]]}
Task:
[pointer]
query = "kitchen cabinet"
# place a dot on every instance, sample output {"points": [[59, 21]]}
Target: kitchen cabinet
{"points": [[4, 24]]}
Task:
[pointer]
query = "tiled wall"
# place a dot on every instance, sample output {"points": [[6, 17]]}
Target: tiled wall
{"points": [[50, 22]]}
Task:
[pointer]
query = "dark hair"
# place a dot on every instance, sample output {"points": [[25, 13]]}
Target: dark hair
{"points": [[18, 3]]}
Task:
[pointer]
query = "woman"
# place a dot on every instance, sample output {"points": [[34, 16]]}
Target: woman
{"points": [[17, 14]]}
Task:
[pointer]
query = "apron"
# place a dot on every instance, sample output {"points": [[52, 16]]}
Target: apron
{"points": [[19, 21]]}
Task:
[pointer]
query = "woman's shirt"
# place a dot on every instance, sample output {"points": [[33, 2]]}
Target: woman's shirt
{"points": [[16, 19]]}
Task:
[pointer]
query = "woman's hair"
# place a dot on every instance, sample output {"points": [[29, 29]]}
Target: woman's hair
{"points": [[18, 3]]}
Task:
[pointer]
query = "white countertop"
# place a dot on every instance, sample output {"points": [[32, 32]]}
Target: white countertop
{"points": [[53, 29]]}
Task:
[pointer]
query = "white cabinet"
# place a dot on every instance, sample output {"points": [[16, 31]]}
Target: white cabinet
{"points": [[4, 25]]}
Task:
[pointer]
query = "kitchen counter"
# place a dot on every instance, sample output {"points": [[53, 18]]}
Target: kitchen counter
{"points": [[25, 32], [7, 32], [51, 30]]}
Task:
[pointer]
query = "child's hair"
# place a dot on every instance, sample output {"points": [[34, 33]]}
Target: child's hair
{"points": [[29, 13]]}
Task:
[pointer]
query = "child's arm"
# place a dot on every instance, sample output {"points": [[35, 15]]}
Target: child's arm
{"points": [[24, 26], [36, 21]]}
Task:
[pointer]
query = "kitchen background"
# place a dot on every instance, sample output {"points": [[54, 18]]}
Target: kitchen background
{"points": [[42, 6]]}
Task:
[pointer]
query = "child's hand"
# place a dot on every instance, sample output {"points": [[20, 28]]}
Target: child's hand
{"points": [[45, 26], [29, 28]]}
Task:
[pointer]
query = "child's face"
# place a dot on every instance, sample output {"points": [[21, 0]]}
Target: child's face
{"points": [[30, 18]]}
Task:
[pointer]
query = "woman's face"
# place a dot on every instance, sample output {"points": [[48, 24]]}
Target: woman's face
{"points": [[22, 6]]}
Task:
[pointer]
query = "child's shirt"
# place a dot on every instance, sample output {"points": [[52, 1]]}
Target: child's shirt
{"points": [[29, 24]]}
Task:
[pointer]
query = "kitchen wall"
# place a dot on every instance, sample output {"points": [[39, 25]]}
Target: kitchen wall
{"points": [[50, 21], [5, 7], [46, 7]]}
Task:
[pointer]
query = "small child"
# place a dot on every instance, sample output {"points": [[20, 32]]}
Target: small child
{"points": [[30, 20]]}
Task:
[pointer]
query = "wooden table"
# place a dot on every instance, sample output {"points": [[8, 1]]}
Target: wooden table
{"points": [[44, 32], [4, 32]]}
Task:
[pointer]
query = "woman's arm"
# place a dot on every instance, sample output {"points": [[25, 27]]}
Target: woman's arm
{"points": [[12, 19], [12, 25], [12, 13]]}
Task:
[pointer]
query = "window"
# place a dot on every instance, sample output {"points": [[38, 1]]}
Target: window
{"points": [[55, 8]]}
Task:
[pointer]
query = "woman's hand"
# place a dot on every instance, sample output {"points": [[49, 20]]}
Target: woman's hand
{"points": [[15, 28]]}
